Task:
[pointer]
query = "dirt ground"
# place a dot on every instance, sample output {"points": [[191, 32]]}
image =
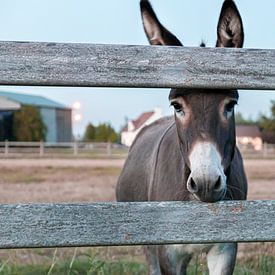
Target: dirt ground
{"points": [[58, 180], [88, 180]]}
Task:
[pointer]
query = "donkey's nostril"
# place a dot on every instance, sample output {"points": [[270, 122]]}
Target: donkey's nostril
{"points": [[193, 185], [218, 184]]}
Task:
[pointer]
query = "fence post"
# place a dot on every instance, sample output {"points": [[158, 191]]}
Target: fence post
{"points": [[109, 148], [41, 148], [6, 147], [75, 148]]}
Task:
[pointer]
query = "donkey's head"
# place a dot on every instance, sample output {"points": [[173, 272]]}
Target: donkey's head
{"points": [[204, 118]]}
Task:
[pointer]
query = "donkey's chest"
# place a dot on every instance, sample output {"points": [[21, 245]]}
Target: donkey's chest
{"points": [[177, 252]]}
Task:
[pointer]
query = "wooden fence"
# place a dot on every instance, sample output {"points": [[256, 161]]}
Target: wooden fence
{"points": [[53, 64], [99, 149], [88, 65], [101, 224], [48, 149]]}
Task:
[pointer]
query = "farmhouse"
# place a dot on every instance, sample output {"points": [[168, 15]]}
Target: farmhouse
{"points": [[249, 136], [133, 127], [56, 116]]}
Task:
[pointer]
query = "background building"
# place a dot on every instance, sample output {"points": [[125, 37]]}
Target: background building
{"points": [[133, 127], [56, 117], [249, 136]]}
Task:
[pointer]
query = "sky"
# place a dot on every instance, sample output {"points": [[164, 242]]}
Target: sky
{"points": [[119, 22]]}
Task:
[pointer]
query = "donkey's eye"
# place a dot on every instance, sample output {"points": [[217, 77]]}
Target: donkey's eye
{"points": [[228, 109], [230, 106], [178, 108]]}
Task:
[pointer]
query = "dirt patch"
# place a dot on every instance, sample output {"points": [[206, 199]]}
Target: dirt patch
{"points": [[261, 179], [58, 180], [86, 180], [58, 184]]}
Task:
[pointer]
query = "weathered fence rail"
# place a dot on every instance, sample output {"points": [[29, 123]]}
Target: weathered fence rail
{"points": [[59, 64], [101, 224]]}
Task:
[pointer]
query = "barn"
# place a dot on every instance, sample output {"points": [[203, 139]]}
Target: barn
{"points": [[57, 117]]}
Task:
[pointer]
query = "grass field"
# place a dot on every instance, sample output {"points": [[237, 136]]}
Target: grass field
{"points": [[91, 261], [83, 180]]}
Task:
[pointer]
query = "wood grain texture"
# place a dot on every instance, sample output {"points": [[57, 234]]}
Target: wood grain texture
{"points": [[100, 224], [90, 65]]}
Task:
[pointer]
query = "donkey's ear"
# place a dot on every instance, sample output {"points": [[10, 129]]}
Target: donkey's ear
{"points": [[155, 32], [230, 26]]}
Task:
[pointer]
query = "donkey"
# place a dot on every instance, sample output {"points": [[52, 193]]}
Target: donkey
{"points": [[191, 155]]}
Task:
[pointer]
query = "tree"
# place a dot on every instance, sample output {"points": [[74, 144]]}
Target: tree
{"points": [[105, 133], [267, 125], [240, 120], [90, 133], [28, 124]]}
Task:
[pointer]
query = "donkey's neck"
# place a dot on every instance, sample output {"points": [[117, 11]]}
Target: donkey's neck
{"points": [[171, 172]]}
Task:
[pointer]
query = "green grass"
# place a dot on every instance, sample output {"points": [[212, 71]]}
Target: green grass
{"points": [[93, 265], [262, 265], [85, 267]]}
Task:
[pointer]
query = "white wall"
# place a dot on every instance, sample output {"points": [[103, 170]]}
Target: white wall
{"points": [[127, 138]]}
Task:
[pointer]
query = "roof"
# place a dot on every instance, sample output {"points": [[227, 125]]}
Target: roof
{"points": [[8, 105], [248, 131], [34, 100], [142, 119]]}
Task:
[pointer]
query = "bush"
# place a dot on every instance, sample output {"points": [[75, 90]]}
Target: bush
{"points": [[28, 124]]}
